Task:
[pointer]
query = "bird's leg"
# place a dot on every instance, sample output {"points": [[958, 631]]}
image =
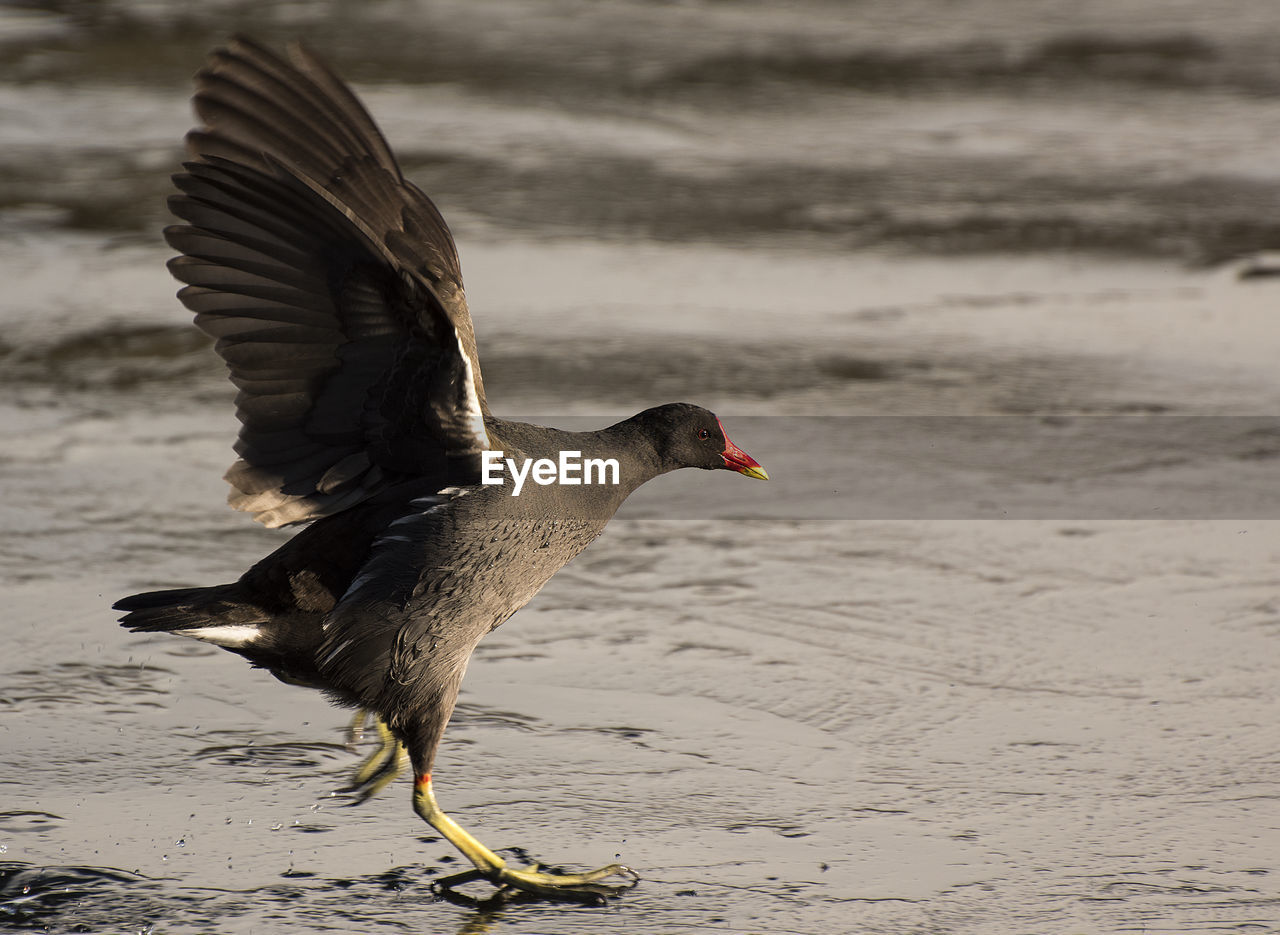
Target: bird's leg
{"points": [[582, 887], [382, 766]]}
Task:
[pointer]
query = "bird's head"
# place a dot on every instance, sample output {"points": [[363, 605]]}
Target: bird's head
{"points": [[690, 436]]}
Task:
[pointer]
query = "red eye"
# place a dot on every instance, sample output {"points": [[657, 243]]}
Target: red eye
{"points": [[703, 433]]}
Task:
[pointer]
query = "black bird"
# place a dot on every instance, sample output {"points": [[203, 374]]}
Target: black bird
{"points": [[333, 288]]}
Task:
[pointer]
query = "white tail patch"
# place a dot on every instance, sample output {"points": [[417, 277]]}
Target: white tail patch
{"points": [[231, 636]]}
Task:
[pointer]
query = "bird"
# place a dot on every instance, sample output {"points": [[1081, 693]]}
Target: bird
{"points": [[333, 289]]}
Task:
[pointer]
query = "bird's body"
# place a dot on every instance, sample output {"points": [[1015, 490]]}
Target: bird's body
{"points": [[334, 289]]}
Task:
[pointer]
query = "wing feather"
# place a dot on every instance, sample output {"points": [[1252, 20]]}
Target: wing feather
{"points": [[332, 287]]}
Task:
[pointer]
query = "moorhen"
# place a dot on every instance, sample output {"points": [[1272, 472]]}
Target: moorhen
{"points": [[333, 289]]}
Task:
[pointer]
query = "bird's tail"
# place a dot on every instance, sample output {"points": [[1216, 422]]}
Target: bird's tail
{"points": [[214, 615]]}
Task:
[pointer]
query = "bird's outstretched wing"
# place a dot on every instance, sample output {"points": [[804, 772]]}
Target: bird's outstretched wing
{"points": [[332, 286]]}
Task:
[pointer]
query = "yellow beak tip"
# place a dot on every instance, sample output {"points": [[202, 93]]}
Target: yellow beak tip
{"points": [[757, 472]]}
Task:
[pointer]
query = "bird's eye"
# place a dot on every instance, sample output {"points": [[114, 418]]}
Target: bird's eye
{"points": [[703, 434]]}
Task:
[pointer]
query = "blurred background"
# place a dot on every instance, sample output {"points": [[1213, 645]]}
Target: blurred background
{"points": [[937, 263], [1133, 129]]}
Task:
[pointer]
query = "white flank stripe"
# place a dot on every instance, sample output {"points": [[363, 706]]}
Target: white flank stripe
{"points": [[474, 415]]}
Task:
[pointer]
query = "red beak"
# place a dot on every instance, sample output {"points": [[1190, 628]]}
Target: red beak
{"points": [[735, 459]]}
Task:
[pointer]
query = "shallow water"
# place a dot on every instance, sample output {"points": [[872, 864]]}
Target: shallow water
{"points": [[995, 650]]}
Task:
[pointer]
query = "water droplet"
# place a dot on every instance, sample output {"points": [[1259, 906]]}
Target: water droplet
{"points": [[181, 842]]}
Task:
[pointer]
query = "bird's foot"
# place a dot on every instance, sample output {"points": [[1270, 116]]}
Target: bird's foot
{"points": [[381, 767], [531, 882], [568, 887]]}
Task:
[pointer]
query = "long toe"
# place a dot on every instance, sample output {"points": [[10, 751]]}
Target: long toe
{"points": [[534, 883], [575, 887], [366, 784]]}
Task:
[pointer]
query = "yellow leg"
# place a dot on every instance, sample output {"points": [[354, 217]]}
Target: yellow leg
{"points": [[583, 887], [382, 766]]}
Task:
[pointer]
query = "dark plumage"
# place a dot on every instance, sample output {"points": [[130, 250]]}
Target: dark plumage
{"points": [[333, 288]]}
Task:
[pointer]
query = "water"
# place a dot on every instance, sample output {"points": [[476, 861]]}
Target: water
{"points": [[995, 649]]}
